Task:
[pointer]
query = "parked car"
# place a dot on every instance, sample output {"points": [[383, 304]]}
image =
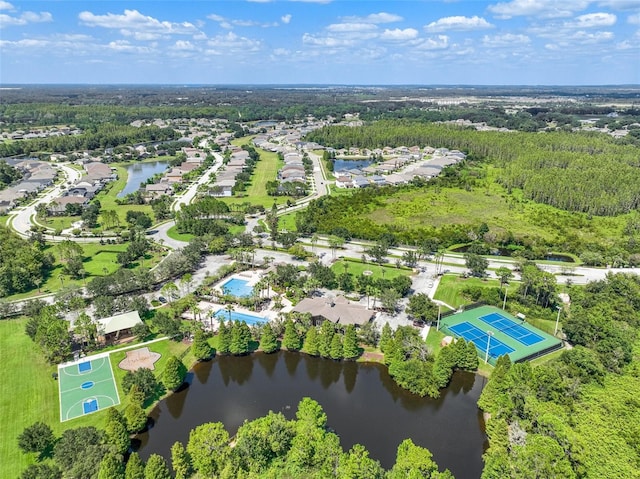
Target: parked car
{"points": [[162, 299]]}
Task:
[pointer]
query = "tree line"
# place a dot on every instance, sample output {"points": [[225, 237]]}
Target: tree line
{"points": [[586, 172], [95, 137], [269, 446]]}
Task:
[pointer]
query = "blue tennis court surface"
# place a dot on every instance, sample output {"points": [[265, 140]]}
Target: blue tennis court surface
{"points": [[480, 338], [511, 328]]}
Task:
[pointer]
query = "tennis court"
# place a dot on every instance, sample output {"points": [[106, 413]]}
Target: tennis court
{"points": [[504, 333], [86, 386], [511, 328], [481, 339]]}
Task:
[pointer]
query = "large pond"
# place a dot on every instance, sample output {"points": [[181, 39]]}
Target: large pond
{"points": [[362, 403], [140, 173], [342, 165]]}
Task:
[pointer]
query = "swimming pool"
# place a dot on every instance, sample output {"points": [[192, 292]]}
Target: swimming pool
{"points": [[237, 287], [250, 319]]}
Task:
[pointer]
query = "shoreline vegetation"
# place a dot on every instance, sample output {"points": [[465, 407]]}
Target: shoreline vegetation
{"points": [[561, 177]]}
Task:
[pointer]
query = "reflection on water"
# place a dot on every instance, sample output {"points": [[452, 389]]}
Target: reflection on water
{"points": [[362, 403], [139, 173]]}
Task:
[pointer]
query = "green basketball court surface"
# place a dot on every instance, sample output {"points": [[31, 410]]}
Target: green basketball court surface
{"points": [[86, 386], [498, 332]]}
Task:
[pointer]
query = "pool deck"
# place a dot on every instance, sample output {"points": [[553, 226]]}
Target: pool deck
{"points": [[208, 308], [251, 277]]}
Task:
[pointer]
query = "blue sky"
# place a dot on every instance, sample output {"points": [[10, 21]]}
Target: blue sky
{"points": [[508, 42]]}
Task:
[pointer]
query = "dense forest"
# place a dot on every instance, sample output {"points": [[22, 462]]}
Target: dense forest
{"points": [[584, 172], [576, 416]]}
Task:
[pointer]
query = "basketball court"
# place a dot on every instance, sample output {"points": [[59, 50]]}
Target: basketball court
{"points": [[86, 386]]}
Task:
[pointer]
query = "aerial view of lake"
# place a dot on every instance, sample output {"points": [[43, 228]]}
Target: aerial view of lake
{"points": [[341, 165], [139, 173], [363, 405]]}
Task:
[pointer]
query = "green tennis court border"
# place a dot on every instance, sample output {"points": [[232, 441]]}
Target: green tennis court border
{"points": [[520, 352], [73, 396]]}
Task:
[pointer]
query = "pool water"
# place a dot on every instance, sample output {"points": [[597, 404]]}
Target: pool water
{"points": [[237, 287], [250, 319]]}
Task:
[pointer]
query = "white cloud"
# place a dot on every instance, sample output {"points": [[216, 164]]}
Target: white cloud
{"points": [[351, 27], [382, 17], [330, 42], [6, 6], [634, 19], [133, 20], [436, 43], [459, 23], [183, 45], [25, 18], [285, 19], [230, 42], [124, 46], [538, 8], [216, 18], [141, 36], [398, 34], [506, 40], [592, 20], [588, 38]]}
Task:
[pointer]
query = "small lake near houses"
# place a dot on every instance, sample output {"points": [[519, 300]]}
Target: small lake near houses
{"points": [[363, 405]]}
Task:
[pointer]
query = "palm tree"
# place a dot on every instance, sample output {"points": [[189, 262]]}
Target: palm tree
{"points": [[229, 308], [314, 241]]}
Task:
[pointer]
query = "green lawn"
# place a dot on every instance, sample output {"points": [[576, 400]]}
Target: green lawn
{"points": [[58, 222], [30, 394], [356, 268], [451, 286], [265, 170], [174, 234]]}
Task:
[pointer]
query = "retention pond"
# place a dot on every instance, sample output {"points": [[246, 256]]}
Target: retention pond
{"points": [[362, 403]]}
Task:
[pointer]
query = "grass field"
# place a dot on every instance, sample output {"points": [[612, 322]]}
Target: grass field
{"points": [[265, 170], [29, 393], [491, 204], [451, 286], [356, 268]]}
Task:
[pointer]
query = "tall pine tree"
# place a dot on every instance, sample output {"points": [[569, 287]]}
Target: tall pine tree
{"points": [[311, 342], [291, 340], [268, 340], [224, 337], [350, 346]]}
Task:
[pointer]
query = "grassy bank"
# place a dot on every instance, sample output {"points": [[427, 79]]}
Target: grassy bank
{"points": [[451, 287]]}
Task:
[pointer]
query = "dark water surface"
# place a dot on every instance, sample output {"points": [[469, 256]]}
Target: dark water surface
{"points": [[362, 403]]}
